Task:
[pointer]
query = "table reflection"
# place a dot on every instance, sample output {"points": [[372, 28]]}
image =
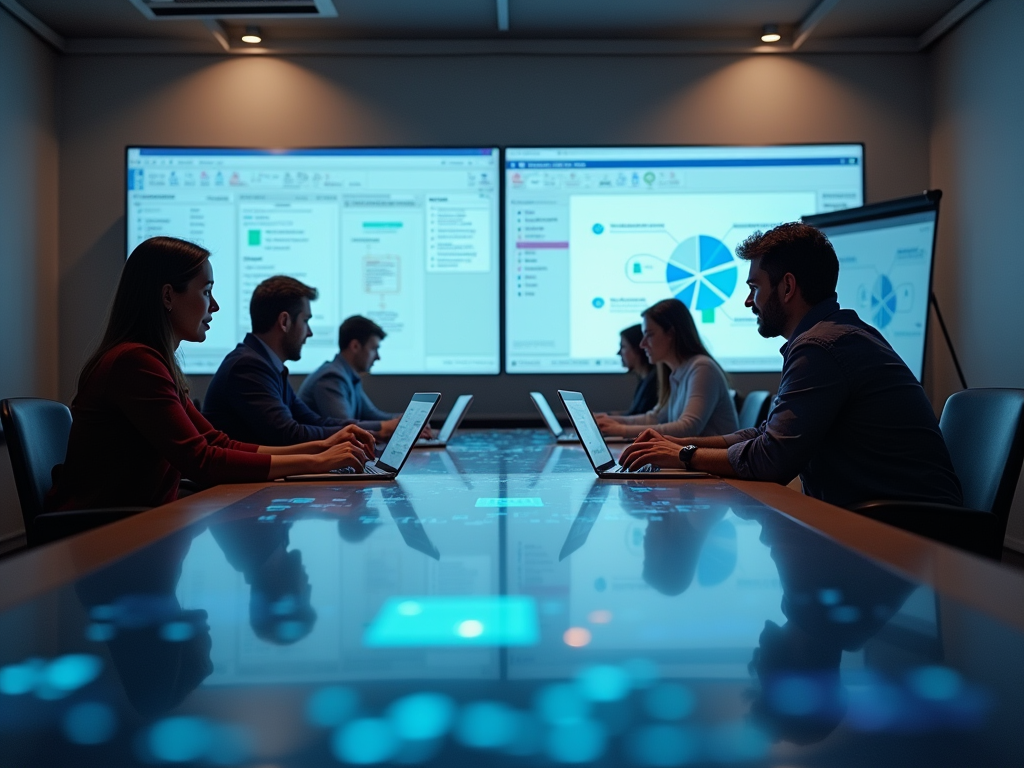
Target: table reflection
{"points": [[523, 616]]}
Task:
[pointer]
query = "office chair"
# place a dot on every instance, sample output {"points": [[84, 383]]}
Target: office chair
{"points": [[984, 432], [755, 408], [37, 434]]}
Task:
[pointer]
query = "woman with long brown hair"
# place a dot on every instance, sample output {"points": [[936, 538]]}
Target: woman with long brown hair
{"points": [[135, 432], [693, 393]]}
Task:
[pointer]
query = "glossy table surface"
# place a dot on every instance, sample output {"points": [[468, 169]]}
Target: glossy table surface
{"points": [[498, 605]]}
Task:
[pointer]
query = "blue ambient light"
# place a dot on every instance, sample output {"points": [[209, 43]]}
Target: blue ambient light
{"points": [[669, 701], [180, 739], [560, 704], [662, 745], [177, 631], [604, 682], [935, 683], [422, 716], [579, 742], [331, 706], [487, 725], [89, 723], [454, 621], [71, 672], [365, 741]]}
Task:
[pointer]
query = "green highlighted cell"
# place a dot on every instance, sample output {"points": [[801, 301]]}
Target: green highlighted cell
{"points": [[707, 315], [382, 225], [411, 622], [513, 501], [255, 237]]}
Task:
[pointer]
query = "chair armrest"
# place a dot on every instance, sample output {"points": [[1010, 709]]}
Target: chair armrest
{"points": [[974, 530], [52, 526]]}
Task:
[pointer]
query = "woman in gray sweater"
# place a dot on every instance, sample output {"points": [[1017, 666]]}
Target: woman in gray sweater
{"points": [[693, 394]]}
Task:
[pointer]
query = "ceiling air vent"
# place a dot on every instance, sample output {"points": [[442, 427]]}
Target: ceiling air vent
{"points": [[228, 9]]}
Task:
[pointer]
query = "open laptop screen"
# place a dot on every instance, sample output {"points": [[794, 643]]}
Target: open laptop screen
{"points": [[408, 429], [587, 428], [545, 411], [454, 417]]}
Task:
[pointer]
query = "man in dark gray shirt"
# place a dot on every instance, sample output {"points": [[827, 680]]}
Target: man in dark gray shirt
{"points": [[850, 418]]}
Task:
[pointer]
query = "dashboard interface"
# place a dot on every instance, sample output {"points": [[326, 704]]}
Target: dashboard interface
{"points": [[406, 237], [593, 236]]}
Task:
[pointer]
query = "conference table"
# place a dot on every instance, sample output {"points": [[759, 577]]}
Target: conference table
{"points": [[498, 604]]}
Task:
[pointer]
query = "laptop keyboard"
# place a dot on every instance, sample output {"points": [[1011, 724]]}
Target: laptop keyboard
{"points": [[369, 469], [644, 468]]}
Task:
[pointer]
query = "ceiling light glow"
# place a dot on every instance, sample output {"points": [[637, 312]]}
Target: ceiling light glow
{"points": [[252, 36], [770, 33]]}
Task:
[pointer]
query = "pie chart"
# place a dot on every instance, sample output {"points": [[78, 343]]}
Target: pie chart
{"points": [[701, 272], [883, 302]]}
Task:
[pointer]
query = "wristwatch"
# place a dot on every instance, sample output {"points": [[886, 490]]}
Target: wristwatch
{"points": [[686, 456]]}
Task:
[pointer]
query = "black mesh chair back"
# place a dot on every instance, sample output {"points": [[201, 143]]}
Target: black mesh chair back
{"points": [[755, 408], [37, 439], [984, 431]]}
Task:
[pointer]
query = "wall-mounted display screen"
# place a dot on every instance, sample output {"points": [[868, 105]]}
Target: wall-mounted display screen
{"points": [[593, 236], [407, 237], [885, 268]]}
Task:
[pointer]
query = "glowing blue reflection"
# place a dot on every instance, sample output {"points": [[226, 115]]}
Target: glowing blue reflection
{"points": [[71, 672], [18, 679], [576, 742], [422, 716], [487, 725], [230, 746], [604, 682], [180, 739], [662, 745], [330, 707], [643, 671], [935, 683], [844, 614], [100, 632], [365, 741], [177, 631], [559, 704], [89, 723], [669, 701]]}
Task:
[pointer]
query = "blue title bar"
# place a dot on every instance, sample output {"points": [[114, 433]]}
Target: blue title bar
{"points": [[710, 163], [348, 151]]}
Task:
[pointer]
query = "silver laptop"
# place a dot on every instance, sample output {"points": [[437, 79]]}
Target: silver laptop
{"points": [[597, 450], [567, 435], [390, 463], [451, 423]]}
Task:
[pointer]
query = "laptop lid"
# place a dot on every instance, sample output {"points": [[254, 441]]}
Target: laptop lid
{"points": [[541, 403], [590, 436], [454, 417], [416, 415]]}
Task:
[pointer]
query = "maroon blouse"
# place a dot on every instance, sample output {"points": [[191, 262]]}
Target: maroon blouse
{"points": [[133, 438]]}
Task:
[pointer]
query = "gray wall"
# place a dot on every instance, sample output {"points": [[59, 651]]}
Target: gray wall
{"points": [[109, 102], [977, 158], [28, 231]]}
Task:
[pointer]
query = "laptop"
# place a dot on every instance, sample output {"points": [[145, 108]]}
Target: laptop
{"points": [[597, 450], [451, 423], [567, 435], [390, 463]]}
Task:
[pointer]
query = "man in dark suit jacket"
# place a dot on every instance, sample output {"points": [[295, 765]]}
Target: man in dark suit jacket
{"points": [[250, 397]]}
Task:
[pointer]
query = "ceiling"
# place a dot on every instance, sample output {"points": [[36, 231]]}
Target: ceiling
{"points": [[544, 26]]}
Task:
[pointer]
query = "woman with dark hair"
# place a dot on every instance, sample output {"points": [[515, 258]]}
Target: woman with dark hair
{"points": [[135, 432], [693, 394], [635, 361]]}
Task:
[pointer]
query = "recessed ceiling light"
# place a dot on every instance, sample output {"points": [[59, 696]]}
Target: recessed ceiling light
{"points": [[769, 33], [252, 36]]}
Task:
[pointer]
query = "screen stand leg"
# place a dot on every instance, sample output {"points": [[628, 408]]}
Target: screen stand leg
{"points": [[949, 341]]}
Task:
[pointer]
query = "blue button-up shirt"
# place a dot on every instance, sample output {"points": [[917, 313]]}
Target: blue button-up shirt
{"points": [[335, 390], [850, 419]]}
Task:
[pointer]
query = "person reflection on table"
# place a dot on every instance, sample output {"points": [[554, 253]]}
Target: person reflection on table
{"points": [[834, 601], [675, 537], [161, 652], [360, 520], [280, 610]]}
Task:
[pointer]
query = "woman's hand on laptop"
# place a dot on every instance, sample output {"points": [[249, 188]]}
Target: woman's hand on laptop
{"points": [[653, 436], [343, 455], [352, 435]]}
